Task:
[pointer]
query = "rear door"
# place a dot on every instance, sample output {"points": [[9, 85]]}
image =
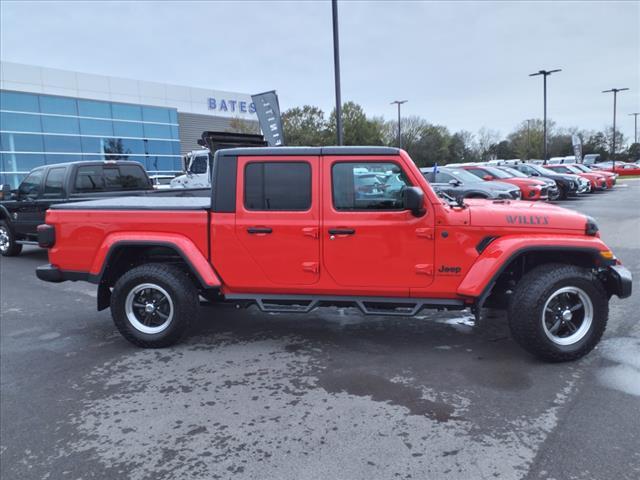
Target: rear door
{"points": [[369, 240], [278, 219]]}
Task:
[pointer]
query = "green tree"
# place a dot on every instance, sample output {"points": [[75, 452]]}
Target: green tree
{"points": [[634, 152], [357, 129], [527, 140], [305, 126]]}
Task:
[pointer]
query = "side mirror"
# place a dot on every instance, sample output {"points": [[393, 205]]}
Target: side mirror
{"points": [[487, 177], [454, 182], [413, 199], [5, 191]]}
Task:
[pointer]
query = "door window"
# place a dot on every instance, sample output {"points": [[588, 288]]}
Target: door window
{"points": [[442, 177], [368, 186], [30, 186], [199, 164], [53, 183], [284, 186]]}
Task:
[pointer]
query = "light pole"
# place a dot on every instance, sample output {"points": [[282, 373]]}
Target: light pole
{"points": [[336, 68], [545, 74], [399, 102], [613, 140], [528, 139], [635, 126]]}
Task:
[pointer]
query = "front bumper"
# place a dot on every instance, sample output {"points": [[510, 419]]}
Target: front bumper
{"points": [[618, 281]]}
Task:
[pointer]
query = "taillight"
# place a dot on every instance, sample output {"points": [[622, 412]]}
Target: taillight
{"points": [[46, 236]]}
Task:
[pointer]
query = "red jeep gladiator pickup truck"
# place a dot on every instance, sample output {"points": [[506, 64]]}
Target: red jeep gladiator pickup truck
{"points": [[291, 229]]}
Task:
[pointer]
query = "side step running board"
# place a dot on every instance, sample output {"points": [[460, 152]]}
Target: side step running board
{"points": [[401, 306]]}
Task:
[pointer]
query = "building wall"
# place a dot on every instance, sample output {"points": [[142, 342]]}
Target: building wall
{"points": [[51, 116], [53, 81], [38, 129]]}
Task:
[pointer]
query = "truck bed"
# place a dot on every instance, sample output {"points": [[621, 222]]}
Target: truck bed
{"points": [[139, 203]]}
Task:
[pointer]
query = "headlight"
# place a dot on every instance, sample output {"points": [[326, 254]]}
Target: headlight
{"points": [[591, 228]]}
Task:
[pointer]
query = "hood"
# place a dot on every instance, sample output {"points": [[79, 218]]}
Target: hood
{"points": [[515, 214]]}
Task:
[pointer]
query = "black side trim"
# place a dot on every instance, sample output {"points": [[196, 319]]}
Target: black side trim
{"points": [[51, 273], [315, 151], [484, 243], [619, 281], [142, 243], [395, 306], [487, 289], [224, 177]]}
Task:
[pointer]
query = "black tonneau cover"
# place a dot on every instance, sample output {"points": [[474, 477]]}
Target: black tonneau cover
{"points": [[139, 203]]}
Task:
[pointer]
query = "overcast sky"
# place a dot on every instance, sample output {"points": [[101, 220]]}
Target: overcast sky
{"points": [[460, 64]]}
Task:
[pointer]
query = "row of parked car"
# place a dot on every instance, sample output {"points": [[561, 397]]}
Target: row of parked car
{"points": [[519, 180]]}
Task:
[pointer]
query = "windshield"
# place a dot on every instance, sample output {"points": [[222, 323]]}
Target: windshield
{"points": [[543, 171], [462, 175], [513, 172], [496, 172], [573, 169], [582, 168]]}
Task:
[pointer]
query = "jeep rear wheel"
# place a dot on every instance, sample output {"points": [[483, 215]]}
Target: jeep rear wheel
{"points": [[8, 245], [153, 305], [558, 312]]}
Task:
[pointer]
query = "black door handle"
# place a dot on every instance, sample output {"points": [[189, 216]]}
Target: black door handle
{"points": [[254, 230], [342, 231]]}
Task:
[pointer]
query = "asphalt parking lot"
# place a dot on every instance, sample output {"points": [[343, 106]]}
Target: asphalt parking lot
{"points": [[330, 395]]}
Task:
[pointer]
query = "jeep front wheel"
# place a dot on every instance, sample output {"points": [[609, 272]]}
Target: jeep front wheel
{"points": [[153, 305], [8, 245], [558, 312]]}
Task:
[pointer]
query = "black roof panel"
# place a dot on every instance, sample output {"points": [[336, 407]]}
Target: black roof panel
{"points": [[282, 151]]}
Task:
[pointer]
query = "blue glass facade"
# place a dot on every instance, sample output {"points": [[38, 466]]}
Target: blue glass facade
{"points": [[46, 129]]}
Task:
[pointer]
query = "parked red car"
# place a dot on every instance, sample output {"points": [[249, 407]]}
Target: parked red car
{"points": [[621, 168], [532, 189], [609, 176], [596, 179]]}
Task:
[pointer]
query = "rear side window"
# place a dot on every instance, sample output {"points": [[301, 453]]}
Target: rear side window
{"points": [[284, 186], [90, 179], [53, 182], [368, 186], [96, 178], [125, 177]]}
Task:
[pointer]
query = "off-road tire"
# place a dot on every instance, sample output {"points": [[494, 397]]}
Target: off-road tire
{"points": [[14, 248], [183, 295], [526, 306]]}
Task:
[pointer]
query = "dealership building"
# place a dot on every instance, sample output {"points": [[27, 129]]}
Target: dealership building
{"points": [[52, 116]]}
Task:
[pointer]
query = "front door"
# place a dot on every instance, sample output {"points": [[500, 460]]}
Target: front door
{"points": [[369, 240], [27, 215], [278, 219]]}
